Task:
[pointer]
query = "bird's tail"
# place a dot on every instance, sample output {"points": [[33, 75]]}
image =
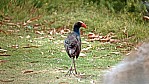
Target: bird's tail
{"points": [[72, 52], [134, 69]]}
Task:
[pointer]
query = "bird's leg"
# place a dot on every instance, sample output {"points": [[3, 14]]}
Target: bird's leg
{"points": [[74, 66], [71, 69]]}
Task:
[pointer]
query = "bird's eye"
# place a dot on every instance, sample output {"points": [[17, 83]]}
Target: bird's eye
{"points": [[66, 41]]}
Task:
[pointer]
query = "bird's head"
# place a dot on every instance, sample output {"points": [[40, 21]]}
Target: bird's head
{"points": [[79, 24]]}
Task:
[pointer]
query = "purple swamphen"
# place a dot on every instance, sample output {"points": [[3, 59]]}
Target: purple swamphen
{"points": [[73, 45]]}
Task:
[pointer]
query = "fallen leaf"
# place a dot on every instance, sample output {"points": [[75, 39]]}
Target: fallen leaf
{"points": [[32, 19], [24, 24], [36, 25], [39, 32], [28, 71], [5, 55], [33, 46], [102, 48], [34, 61], [96, 37], [34, 72], [28, 36], [145, 17], [90, 40], [1, 23], [91, 36], [21, 37], [9, 80], [85, 42], [65, 31], [2, 31], [15, 46], [12, 31], [120, 46], [52, 32], [11, 24], [114, 40], [115, 53], [7, 19], [3, 61], [105, 40], [3, 50], [30, 46], [82, 55]]}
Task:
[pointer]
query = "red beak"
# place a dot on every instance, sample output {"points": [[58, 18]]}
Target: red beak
{"points": [[83, 25]]}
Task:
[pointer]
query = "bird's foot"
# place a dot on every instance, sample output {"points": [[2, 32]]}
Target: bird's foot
{"points": [[75, 71], [71, 72]]}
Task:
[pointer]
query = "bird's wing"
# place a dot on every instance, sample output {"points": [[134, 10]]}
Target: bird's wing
{"points": [[73, 45]]}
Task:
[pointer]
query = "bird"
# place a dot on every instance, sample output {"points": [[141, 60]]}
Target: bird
{"points": [[72, 45]]}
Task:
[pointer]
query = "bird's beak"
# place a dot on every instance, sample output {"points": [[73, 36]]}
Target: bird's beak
{"points": [[83, 25]]}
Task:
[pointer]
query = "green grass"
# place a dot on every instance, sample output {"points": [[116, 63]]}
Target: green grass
{"points": [[48, 63]]}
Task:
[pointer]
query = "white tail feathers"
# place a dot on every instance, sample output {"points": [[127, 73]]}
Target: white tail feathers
{"points": [[134, 69]]}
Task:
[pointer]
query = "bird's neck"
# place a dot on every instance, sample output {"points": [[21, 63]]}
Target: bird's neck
{"points": [[76, 30]]}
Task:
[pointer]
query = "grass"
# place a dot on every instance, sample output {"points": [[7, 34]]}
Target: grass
{"points": [[47, 62], [40, 58]]}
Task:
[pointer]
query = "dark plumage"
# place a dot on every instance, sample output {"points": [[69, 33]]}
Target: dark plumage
{"points": [[73, 44]]}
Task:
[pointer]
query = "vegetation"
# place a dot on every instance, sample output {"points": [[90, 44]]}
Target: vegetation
{"points": [[31, 47]]}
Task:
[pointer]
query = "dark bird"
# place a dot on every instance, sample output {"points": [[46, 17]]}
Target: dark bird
{"points": [[73, 45]]}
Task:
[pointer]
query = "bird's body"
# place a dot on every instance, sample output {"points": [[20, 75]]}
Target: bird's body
{"points": [[73, 43]]}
